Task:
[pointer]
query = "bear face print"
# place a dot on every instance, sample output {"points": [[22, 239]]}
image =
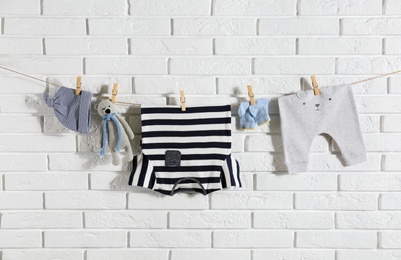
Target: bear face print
{"points": [[308, 99]]}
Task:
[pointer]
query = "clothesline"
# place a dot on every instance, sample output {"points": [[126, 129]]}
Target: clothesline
{"points": [[129, 103], [51, 83], [377, 77]]}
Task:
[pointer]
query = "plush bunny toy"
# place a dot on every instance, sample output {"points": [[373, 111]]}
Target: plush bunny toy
{"points": [[115, 131]]}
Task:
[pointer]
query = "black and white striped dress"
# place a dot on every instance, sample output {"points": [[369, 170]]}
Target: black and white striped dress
{"points": [[185, 151]]}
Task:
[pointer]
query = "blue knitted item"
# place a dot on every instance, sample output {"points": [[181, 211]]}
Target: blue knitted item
{"points": [[251, 116], [107, 118]]}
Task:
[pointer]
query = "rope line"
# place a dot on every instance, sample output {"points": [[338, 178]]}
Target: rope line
{"points": [[128, 103]]}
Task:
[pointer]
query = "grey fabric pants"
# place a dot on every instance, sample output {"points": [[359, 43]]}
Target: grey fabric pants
{"points": [[304, 116]]}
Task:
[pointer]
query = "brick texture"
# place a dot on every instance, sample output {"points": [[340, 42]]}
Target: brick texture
{"points": [[60, 200]]}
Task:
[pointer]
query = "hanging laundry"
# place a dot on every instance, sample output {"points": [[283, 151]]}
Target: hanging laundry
{"points": [[186, 151], [304, 116], [252, 116], [73, 111], [115, 131]]}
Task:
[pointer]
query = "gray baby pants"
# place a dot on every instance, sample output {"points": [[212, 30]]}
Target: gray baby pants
{"points": [[304, 116]]}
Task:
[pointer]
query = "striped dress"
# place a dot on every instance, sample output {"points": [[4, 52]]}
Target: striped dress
{"points": [[185, 151]]}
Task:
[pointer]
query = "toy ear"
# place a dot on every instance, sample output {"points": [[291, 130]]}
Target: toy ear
{"points": [[96, 106], [301, 95], [328, 90]]}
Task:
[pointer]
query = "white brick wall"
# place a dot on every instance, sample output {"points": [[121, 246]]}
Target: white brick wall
{"points": [[58, 200]]}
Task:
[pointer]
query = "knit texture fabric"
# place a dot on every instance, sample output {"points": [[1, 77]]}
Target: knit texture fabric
{"points": [[304, 116], [252, 116], [106, 118], [71, 110]]}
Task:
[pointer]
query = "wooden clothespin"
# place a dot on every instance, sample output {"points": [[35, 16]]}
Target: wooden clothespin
{"points": [[182, 100], [78, 86], [251, 95], [114, 93], [316, 90]]}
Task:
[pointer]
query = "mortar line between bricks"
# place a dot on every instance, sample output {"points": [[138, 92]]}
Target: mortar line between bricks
{"points": [[89, 179], [84, 66], [87, 32], [257, 31], [213, 46], [294, 241], [41, 8], [83, 220], [294, 201], [44, 200], [43, 239], [216, 86], [206, 17], [128, 239], [2, 26], [168, 220], [211, 212], [129, 46], [3, 179], [379, 239], [388, 87], [205, 36], [171, 27], [340, 27], [128, 7], [202, 230], [218, 56], [168, 61], [43, 46], [300, 75], [338, 181], [297, 8], [47, 158], [335, 219]]}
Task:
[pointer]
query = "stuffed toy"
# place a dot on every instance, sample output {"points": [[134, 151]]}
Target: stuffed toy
{"points": [[115, 131]]}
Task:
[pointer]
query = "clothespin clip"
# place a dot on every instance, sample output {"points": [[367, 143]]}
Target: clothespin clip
{"points": [[251, 95], [78, 86], [182, 100], [114, 93], [316, 90]]}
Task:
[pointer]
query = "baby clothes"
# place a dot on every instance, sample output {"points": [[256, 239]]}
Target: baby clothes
{"points": [[250, 116], [71, 110], [186, 151], [304, 116]]}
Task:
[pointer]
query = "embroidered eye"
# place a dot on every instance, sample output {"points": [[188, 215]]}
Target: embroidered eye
{"points": [[329, 98], [104, 108], [304, 103]]}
